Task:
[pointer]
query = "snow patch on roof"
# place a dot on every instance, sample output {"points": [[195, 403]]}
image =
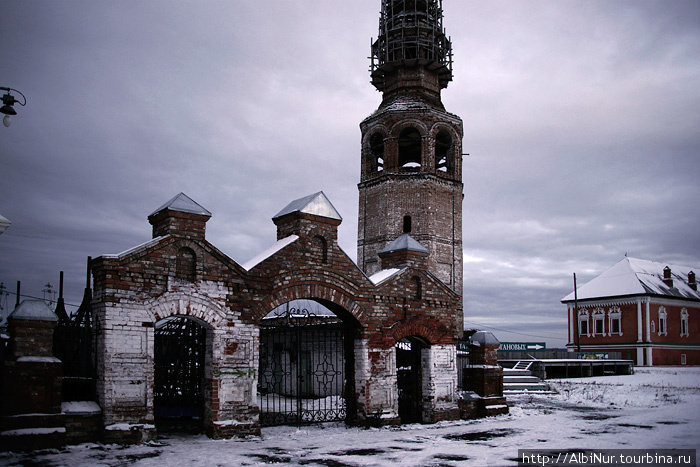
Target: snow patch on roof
{"points": [[143, 245], [251, 263], [33, 310], [379, 277], [632, 276]]}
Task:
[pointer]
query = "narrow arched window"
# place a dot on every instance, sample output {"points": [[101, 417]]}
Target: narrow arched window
{"points": [[407, 224], [186, 265], [417, 288], [322, 246], [410, 148], [443, 151], [376, 148]]}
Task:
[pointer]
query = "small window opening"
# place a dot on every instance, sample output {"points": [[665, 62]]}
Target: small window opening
{"points": [[418, 290], [322, 244], [407, 224], [583, 328], [615, 326], [186, 265], [443, 151], [409, 149], [376, 147]]}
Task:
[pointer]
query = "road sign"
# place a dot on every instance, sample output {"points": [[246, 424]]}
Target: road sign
{"points": [[521, 346]]}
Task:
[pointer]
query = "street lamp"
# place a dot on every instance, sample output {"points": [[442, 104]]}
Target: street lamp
{"points": [[8, 100]]}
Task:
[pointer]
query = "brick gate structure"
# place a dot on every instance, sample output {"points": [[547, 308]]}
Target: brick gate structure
{"points": [[406, 289], [179, 273]]}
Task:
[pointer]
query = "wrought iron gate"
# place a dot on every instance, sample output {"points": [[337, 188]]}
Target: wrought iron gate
{"points": [[179, 351], [302, 368], [73, 345]]}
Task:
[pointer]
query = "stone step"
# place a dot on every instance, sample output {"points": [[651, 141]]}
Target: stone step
{"points": [[511, 372], [498, 409], [520, 379], [526, 386]]}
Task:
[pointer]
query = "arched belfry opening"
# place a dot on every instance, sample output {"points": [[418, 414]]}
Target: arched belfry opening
{"points": [[181, 359], [376, 148], [306, 365], [410, 150], [443, 152]]}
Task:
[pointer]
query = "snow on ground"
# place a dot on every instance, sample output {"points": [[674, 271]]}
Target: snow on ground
{"points": [[654, 408]]}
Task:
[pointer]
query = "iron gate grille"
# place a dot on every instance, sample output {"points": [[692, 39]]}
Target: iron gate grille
{"points": [[179, 369], [73, 345], [302, 366]]}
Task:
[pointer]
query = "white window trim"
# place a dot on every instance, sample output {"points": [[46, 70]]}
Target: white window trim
{"points": [[599, 315], [583, 317], [663, 319], [684, 319], [615, 313]]}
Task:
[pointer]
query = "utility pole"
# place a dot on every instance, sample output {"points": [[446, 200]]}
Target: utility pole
{"points": [[577, 337]]}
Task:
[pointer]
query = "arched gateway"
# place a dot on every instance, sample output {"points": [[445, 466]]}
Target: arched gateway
{"points": [[252, 350]]}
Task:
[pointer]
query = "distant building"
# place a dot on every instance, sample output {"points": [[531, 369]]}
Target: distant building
{"points": [[648, 311]]}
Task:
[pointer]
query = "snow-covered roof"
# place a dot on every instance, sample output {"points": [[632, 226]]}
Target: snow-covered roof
{"points": [[142, 246], [317, 204], [182, 203], [633, 276], [34, 310], [257, 259], [404, 242], [384, 274]]}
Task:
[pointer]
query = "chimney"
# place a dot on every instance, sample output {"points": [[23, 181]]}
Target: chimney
{"points": [[668, 280], [691, 281]]}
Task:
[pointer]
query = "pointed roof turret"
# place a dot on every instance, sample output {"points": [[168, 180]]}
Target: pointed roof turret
{"points": [[180, 216], [404, 251]]}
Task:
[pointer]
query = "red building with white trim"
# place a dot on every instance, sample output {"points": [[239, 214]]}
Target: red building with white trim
{"points": [[647, 311]]}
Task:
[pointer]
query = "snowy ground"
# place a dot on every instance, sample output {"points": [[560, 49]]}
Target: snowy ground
{"points": [[654, 408]]}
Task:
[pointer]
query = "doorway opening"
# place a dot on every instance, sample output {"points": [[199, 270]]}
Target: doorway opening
{"points": [[409, 378], [179, 374]]}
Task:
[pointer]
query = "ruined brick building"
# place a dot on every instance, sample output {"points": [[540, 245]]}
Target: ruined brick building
{"points": [[182, 330]]}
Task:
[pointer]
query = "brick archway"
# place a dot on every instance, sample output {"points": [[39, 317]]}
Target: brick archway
{"points": [[186, 303], [329, 295]]}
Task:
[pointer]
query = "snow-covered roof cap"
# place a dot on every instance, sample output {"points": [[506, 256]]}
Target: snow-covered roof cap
{"points": [[384, 274], [404, 242], [34, 310], [317, 204], [4, 223], [481, 338], [632, 276], [182, 203]]}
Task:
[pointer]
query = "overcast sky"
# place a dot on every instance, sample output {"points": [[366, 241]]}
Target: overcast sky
{"points": [[581, 119]]}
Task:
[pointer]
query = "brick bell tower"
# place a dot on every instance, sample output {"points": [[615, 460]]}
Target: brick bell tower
{"points": [[411, 176]]}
